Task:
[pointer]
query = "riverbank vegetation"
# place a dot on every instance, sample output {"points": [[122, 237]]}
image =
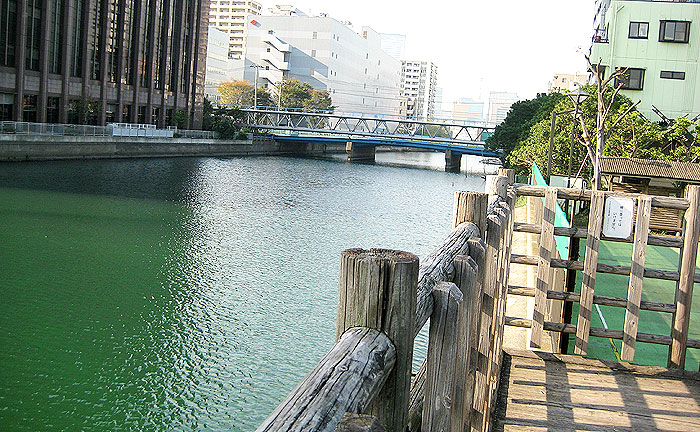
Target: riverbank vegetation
{"points": [[524, 136]]}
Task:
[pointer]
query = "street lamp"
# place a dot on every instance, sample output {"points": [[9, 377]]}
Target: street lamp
{"points": [[255, 86]]}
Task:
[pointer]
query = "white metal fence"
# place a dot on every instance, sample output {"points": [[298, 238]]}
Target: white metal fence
{"points": [[112, 129]]}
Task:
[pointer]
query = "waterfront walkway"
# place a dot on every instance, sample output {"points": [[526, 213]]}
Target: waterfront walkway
{"points": [[555, 392]]}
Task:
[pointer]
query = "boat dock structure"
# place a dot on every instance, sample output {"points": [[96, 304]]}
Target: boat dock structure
{"points": [[471, 380]]}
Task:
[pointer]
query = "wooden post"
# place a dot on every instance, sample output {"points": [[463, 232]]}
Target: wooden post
{"points": [[486, 323], [590, 266], [359, 423], [505, 172], [544, 271], [347, 379], [497, 185], [442, 350], [634, 292], [684, 289], [465, 368], [377, 289], [470, 207]]}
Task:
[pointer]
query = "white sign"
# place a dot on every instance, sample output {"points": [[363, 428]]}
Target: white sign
{"points": [[619, 212]]}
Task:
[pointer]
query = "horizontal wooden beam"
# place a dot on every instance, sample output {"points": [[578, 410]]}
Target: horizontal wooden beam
{"points": [[601, 300], [601, 268], [598, 332], [585, 195], [655, 240]]}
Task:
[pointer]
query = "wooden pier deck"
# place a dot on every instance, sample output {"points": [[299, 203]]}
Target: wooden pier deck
{"points": [[554, 392]]}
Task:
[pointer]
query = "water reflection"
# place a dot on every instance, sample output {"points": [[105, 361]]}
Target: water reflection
{"points": [[186, 294]]}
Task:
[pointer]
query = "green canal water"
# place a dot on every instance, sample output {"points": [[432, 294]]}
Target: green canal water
{"points": [[186, 294]]}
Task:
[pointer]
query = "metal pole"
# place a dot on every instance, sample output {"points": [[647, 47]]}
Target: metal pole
{"points": [[279, 95], [551, 145], [255, 89]]}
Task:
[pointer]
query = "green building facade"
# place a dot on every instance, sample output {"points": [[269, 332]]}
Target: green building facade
{"points": [[659, 43]]}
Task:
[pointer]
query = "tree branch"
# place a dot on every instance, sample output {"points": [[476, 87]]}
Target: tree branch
{"points": [[624, 114]]}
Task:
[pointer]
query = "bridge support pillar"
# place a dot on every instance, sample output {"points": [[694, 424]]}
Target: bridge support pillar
{"points": [[452, 161], [359, 153]]}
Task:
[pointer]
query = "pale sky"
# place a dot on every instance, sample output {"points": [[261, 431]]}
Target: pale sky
{"points": [[478, 46]]}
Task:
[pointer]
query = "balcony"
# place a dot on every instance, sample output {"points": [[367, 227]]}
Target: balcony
{"points": [[600, 36]]}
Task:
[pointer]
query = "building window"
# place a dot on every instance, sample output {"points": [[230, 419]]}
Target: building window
{"points": [[29, 108], [33, 29], [52, 109], [673, 75], [639, 30], [674, 31], [313, 53], [314, 35], [633, 79], [6, 102]]}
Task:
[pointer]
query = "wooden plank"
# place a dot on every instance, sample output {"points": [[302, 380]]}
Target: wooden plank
{"points": [[378, 290], [442, 350], [590, 265], [602, 268], [544, 271], [599, 332], [348, 378], [654, 240], [684, 289], [415, 405], [586, 194], [497, 185], [634, 292], [597, 299], [470, 207]]}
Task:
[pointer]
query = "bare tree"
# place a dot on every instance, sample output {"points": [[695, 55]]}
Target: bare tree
{"points": [[595, 151]]}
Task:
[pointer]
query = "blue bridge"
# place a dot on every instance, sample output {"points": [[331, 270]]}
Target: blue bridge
{"points": [[362, 134]]}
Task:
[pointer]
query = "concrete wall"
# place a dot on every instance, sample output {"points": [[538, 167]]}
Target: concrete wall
{"points": [[28, 147]]}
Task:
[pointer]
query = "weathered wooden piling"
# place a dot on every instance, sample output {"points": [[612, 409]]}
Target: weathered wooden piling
{"points": [[377, 289]]}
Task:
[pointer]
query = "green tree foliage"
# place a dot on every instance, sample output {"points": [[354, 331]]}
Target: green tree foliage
{"points": [[521, 117], [83, 111], [242, 93], [298, 94], [225, 121]]}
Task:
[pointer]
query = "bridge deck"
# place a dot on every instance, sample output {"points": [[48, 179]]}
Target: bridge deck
{"points": [[551, 392]]}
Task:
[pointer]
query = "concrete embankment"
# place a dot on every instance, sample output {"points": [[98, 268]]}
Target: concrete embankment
{"points": [[43, 147]]}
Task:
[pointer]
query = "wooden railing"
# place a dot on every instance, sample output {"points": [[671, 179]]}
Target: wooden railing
{"points": [[685, 276], [384, 300]]}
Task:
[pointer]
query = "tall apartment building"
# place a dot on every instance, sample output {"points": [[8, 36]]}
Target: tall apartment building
{"points": [[418, 88], [357, 73], [139, 61], [657, 41], [231, 17], [499, 105]]}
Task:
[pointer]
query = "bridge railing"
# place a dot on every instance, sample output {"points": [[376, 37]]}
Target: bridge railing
{"points": [[323, 122], [384, 299]]}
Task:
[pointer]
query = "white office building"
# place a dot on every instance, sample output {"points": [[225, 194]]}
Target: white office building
{"points": [[394, 44], [219, 67], [231, 16], [329, 55], [499, 105], [418, 88], [468, 111]]}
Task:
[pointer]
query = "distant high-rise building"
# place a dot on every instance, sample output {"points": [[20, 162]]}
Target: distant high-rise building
{"points": [[499, 105], [468, 110], [567, 82], [231, 17], [394, 45], [218, 64], [418, 87], [136, 64], [285, 10], [329, 55]]}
